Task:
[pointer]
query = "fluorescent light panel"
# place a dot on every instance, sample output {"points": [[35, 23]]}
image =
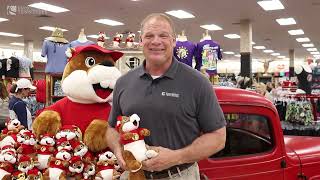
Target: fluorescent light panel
{"points": [[286, 21], [259, 47], [181, 14], [308, 45], [268, 51], [228, 52], [315, 52], [3, 19], [305, 39], [50, 28], [109, 22], [94, 36], [17, 44], [211, 27], [275, 54], [9, 34], [237, 55], [281, 57], [232, 36], [312, 49], [253, 43], [296, 32], [270, 5], [48, 7]]}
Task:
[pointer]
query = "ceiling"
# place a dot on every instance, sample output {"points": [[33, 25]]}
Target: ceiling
{"points": [[225, 13]]}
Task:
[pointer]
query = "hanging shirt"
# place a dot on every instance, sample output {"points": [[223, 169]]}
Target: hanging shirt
{"points": [[206, 55], [3, 67], [25, 65], [18, 110], [56, 57], [12, 67], [76, 43], [184, 52]]}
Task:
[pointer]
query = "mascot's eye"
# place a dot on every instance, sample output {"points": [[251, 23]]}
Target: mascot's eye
{"points": [[90, 61], [74, 165]]}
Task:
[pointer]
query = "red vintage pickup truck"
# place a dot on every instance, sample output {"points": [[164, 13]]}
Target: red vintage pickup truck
{"points": [[256, 148]]}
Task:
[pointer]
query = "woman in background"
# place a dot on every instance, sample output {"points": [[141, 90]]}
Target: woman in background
{"points": [[261, 88], [17, 107]]}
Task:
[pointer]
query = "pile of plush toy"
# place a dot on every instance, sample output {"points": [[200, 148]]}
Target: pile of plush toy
{"points": [[58, 156]]}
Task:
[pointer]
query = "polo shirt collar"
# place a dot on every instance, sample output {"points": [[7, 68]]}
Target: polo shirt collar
{"points": [[170, 73]]}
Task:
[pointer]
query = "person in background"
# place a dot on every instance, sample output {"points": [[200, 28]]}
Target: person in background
{"points": [[17, 107], [261, 88], [185, 118], [270, 87]]}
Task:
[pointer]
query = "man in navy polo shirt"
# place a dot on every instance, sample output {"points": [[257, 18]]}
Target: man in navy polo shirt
{"points": [[175, 102]]}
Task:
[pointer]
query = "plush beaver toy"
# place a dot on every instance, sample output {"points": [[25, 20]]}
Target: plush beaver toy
{"points": [[88, 80]]}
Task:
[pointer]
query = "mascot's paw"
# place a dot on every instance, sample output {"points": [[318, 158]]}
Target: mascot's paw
{"points": [[46, 122], [95, 135], [151, 154]]}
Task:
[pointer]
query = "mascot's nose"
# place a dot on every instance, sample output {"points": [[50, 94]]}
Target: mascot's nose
{"points": [[107, 63]]}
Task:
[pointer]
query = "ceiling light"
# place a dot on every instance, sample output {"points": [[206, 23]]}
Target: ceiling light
{"points": [[50, 28], [228, 52], [308, 45], [287, 59], [9, 34], [315, 52], [303, 39], [296, 32], [232, 36], [17, 44], [237, 55], [95, 36], [3, 19], [181, 14], [48, 7], [254, 59], [275, 54], [281, 57], [270, 5], [259, 47], [253, 43], [211, 27], [268, 51], [109, 22], [312, 49], [286, 21]]}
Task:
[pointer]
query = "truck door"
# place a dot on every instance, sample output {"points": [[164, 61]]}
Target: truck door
{"points": [[253, 149]]}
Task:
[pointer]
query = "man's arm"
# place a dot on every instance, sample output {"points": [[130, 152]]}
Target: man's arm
{"points": [[113, 142], [202, 147]]}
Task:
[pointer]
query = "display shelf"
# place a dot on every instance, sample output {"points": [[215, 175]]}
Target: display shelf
{"points": [[53, 90]]}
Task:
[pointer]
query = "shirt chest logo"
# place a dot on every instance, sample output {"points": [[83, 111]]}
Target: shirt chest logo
{"points": [[170, 94]]}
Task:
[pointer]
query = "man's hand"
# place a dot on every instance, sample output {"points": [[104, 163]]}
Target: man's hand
{"points": [[120, 160], [164, 160]]}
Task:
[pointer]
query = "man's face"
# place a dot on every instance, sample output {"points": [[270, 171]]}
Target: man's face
{"points": [[158, 41]]}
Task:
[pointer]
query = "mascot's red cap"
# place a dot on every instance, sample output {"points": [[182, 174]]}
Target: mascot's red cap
{"points": [[93, 47]]}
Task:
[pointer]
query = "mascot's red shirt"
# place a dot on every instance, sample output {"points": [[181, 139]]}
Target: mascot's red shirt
{"points": [[136, 136], [78, 114]]}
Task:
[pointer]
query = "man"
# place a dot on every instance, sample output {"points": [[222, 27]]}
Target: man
{"points": [[175, 102]]}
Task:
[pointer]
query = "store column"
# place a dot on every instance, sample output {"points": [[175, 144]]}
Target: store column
{"points": [[245, 47], [291, 63], [28, 52]]}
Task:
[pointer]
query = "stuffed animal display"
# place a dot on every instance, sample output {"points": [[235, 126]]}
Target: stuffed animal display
{"points": [[117, 40], [40, 159], [88, 80], [130, 40], [135, 150]]}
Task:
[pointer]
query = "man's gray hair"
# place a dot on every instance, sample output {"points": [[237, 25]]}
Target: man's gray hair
{"points": [[158, 16]]}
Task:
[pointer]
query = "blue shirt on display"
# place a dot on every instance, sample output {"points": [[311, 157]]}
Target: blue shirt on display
{"points": [[76, 43], [56, 57]]}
